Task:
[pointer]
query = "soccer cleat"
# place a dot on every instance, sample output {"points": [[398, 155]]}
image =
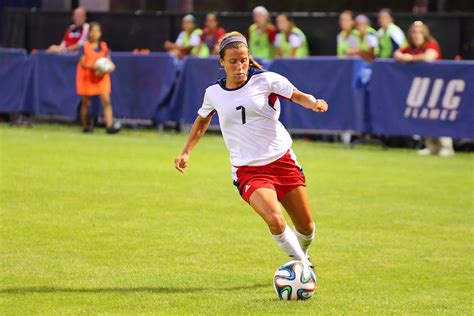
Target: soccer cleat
{"points": [[446, 152], [116, 127], [88, 130], [311, 266], [424, 152]]}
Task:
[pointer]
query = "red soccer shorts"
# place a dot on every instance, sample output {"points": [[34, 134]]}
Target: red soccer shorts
{"points": [[282, 175]]}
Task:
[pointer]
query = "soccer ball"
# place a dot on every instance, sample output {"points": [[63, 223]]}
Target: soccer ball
{"points": [[103, 64], [294, 281]]}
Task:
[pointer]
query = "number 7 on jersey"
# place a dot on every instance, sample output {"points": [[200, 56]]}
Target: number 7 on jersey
{"points": [[241, 107]]}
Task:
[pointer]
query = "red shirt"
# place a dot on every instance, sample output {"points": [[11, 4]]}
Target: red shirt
{"points": [[417, 51], [211, 39], [272, 32], [76, 35]]}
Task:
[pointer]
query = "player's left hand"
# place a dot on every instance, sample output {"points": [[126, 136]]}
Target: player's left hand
{"points": [[180, 162], [319, 105]]}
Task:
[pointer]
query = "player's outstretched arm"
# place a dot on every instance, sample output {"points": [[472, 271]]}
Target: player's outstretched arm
{"points": [[197, 131], [308, 101]]}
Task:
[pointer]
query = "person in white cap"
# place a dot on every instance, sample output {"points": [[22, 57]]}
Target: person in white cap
{"points": [[262, 34]]}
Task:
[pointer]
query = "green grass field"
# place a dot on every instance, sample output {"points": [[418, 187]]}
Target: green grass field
{"points": [[99, 224]]}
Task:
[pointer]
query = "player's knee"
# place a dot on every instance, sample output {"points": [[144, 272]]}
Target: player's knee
{"points": [[306, 228], [106, 105], [276, 223]]}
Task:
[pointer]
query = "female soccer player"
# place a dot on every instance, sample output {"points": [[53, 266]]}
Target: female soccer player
{"points": [[90, 81], [265, 169]]}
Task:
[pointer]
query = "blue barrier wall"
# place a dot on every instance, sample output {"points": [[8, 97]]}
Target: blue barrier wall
{"points": [[13, 63], [139, 84], [195, 76], [328, 78], [428, 99]]}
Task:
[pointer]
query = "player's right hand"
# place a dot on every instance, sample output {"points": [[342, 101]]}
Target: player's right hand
{"points": [[320, 105], [180, 162]]}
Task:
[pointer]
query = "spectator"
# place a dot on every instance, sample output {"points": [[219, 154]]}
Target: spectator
{"points": [[212, 32], [189, 41], [91, 81], [76, 34], [391, 37], [291, 41], [262, 34], [423, 47], [364, 44], [346, 23]]}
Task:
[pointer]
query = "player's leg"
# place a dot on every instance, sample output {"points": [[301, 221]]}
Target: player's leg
{"points": [[85, 104], [107, 107], [265, 203], [296, 204]]}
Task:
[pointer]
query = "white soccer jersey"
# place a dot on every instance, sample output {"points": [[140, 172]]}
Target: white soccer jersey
{"points": [[295, 40], [249, 115]]}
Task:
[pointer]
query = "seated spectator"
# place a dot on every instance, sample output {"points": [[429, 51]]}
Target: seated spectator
{"points": [[391, 37], [423, 47], [291, 41], [76, 34], [212, 32], [189, 41], [346, 23], [364, 44], [262, 34]]}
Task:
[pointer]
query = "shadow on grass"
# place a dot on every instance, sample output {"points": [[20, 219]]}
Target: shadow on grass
{"points": [[144, 289]]}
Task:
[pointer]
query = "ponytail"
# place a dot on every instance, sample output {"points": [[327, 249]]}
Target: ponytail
{"points": [[254, 64]]}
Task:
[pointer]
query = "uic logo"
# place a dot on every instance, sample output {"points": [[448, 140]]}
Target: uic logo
{"points": [[418, 108]]}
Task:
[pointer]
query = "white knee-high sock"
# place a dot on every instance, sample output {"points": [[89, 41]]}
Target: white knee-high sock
{"points": [[289, 243], [305, 240]]}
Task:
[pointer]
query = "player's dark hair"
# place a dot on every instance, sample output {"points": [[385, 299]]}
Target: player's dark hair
{"points": [[95, 24], [386, 10], [348, 12], [252, 62], [288, 17], [92, 24]]}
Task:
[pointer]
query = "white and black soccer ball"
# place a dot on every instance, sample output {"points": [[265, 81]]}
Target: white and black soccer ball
{"points": [[103, 64], [294, 281]]}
